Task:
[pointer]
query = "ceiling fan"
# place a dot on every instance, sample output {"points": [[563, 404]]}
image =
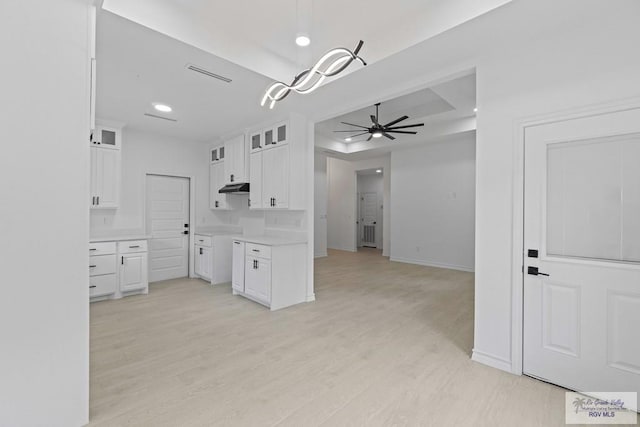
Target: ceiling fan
{"points": [[378, 130]]}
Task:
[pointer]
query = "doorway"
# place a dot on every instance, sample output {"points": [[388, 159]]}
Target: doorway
{"points": [[370, 194], [167, 222], [581, 283]]}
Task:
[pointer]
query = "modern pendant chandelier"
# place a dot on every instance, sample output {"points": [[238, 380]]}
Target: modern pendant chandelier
{"points": [[332, 63]]}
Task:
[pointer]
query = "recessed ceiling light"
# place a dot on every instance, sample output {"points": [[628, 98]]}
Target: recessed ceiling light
{"points": [[164, 108], [348, 139], [377, 134], [303, 40], [378, 170], [475, 110]]}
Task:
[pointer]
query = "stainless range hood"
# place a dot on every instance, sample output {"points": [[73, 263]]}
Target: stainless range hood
{"points": [[240, 188]]}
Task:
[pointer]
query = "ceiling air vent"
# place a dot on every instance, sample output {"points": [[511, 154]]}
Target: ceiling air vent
{"points": [[160, 117], [207, 73]]}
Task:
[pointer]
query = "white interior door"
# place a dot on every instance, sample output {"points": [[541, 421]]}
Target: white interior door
{"points": [[582, 215], [368, 219], [167, 222]]}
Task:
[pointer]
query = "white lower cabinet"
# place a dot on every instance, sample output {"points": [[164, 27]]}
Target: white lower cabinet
{"points": [[133, 272], [274, 275], [212, 257], [202, 262], [237, 274], [134, 268], [117, 269], [103, 280], [100, 286], [257, 279]]}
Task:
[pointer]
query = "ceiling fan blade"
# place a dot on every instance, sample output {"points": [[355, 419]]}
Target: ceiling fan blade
{"points": [[388, 136], [353, 130], [400, 131], [406, 126], [398, 120], [351, 124], [360, 134], [374, 119], [370, 136]]}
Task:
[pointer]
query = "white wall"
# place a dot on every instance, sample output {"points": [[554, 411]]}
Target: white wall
{"points": [[433, 204], [373, 183], [574, 68], [144, 153], [44, 171], [341, 206], [320, 205]]}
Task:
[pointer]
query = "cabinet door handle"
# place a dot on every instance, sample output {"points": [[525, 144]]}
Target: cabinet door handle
{"points": [[93, 249], [122, 261], [231, 177], [249, 202], [98, 200], [200, 251], [92, 286], [93, 201], [92, 266], [236, 243], [133, 247], [216, 204], [255, 250]]}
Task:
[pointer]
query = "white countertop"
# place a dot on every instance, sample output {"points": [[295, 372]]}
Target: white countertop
{"points": [[218, 230], [216, 233], [270, 240], [122, 238]]}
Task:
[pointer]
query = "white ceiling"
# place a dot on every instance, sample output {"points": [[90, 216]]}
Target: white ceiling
{"points": [[138, 66], [259, 35], [446, 109]]}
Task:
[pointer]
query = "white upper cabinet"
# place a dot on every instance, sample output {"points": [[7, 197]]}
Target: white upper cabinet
{"points": [[255, 180], [256, 141], [105, 167], [235, 164], [106, 137], [105, 178], [217, 200], [275, 174], [217, 154], [269, 137], [278, 165]]}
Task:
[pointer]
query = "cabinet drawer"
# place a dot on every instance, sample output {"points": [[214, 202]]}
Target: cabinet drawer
{"points": [[102, 285], [102, 264], [260, 251], [203, 240], [132, 246], [102, 248]]}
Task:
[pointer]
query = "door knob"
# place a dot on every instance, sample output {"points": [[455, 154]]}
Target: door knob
{"points": [[534, 272]]}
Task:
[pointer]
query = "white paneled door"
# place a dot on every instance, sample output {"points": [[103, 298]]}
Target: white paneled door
{"points": [[167, 214], [582, 252]]}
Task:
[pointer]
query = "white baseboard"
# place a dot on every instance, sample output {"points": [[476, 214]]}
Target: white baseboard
{"points": [[311, 298], [491, 360], [344, 249], [322, 255], [429, 263]]}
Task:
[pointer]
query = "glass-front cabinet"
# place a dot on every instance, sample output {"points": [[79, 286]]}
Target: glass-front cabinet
{"points": [[106, 137]]}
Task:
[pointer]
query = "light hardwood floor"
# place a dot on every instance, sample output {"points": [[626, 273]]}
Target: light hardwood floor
{"points": [[385, 344]]}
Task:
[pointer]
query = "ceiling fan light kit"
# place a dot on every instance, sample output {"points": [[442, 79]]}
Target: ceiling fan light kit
{"points": [[378, 130], [332, 63]]}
